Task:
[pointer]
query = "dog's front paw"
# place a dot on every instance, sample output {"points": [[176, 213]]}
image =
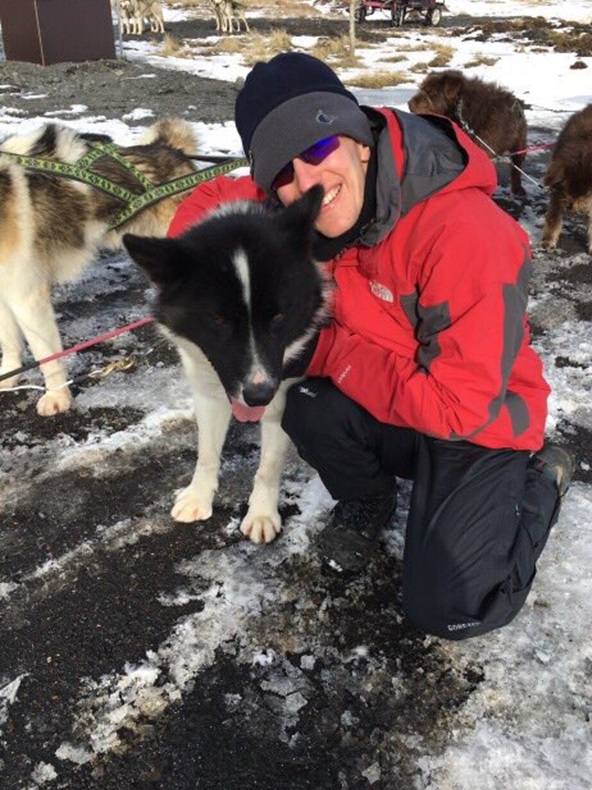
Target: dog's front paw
{"points": [[191, 506], [54, 402], [548, 243], [261, 528]]}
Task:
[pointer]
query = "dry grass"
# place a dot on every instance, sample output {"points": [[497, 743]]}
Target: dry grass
{"points": [[326, 48], [257, 47], [172, 47], [336, 50], [186, 4], [443, 56], [420, 68], [394, 59], [414, 47], [378, 79], [481, 61], [228, 45], [564, 42], [348, 60]]}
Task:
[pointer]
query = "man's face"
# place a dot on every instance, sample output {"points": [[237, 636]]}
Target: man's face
{"points": [[342, 175]]}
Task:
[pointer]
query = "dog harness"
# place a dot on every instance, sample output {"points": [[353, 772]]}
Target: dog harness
{"points": [[134, 202]]}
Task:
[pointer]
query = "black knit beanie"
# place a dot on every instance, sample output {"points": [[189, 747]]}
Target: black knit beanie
{"points": [[289, 104]]}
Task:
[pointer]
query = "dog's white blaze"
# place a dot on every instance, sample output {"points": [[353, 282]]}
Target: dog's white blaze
{"points": [[257, 374], [243, 273], [241, 265]]}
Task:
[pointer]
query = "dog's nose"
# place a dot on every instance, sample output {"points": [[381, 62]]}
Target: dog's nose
{"points": [[258, 394]]}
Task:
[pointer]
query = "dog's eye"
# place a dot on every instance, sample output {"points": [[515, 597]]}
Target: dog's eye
{"points": [[217, 322], [276, 322], [211, 316]]}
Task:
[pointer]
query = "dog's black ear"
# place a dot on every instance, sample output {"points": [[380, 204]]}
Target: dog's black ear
{"points": [[302, 214], [161, 259]]}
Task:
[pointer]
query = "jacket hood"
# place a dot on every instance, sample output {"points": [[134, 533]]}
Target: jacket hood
{"points": [[437, 157]]}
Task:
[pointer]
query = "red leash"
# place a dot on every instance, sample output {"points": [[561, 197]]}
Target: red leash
{"points": [[79, 347], [540, 147]]}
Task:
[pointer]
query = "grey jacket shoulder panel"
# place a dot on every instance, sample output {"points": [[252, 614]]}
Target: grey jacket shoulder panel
{"points": [[432, 160]]}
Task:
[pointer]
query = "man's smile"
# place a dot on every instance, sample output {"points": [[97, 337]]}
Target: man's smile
{"points": [[331, 195]]}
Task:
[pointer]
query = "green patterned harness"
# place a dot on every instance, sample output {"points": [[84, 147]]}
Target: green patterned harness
{"points": [[134, 203]]}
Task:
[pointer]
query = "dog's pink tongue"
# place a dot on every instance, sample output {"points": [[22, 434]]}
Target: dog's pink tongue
{"points": [[244, 413]]}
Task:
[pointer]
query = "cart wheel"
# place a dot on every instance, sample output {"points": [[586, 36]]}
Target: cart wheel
{"points": [[397, 13], [360, 13], [434, 17]]}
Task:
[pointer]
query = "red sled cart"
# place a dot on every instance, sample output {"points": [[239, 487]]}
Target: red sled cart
{"points": [[428, 10]]}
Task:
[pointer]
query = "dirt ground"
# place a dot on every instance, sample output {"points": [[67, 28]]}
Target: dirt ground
{"points": [[89, 553], [109, 88]]}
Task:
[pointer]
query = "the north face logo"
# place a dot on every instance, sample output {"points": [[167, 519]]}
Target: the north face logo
{"points": [[381, 291]]}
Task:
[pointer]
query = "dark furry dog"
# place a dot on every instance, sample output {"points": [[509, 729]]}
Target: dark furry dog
{"points": [[52, 227], [241, 297], [569, 176], [492, 114]]}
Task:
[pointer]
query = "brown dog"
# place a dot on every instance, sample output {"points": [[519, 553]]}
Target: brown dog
{"points": [[569, 176], [492, 116]]}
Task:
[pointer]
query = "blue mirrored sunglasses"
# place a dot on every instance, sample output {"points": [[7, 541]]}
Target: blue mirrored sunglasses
{"points": [[314, 155]]}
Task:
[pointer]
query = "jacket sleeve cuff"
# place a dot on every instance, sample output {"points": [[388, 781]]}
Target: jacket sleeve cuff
{"points": [[316, 366]]}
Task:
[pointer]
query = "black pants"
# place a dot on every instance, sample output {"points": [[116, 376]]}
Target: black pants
{"points": [[478, 519]]}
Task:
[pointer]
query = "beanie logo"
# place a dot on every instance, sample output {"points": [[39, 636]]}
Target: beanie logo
{"points": [[323, 118]]}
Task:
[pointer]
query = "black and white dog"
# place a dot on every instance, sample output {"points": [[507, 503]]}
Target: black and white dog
{"points": [[241, 297]]}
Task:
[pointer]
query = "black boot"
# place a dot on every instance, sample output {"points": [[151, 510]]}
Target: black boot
{"points": [[557, 463], [352, 535]]}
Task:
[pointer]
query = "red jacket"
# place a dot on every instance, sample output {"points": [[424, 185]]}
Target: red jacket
{"points": [[429, 327]]}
